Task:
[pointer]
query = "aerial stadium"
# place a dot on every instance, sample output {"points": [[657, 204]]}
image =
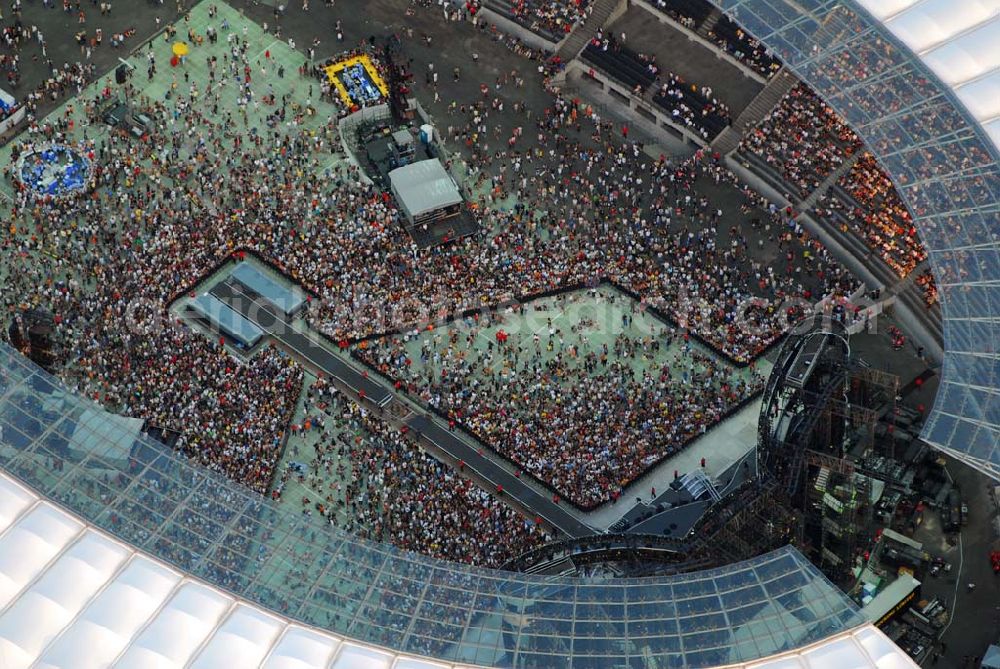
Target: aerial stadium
{"points": [[522, 334]]}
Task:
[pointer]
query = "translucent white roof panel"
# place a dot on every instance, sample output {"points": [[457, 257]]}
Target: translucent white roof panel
{"points": [[975, 54], [113, 617], [300, 648], [883, 9], [993, 130], [29, 544], [352, 656], [243, 640], [931, 22], [178, 629], [881, 649], [958, 40], [982, 96], [57, 597], [13, 501], [843, 652]]}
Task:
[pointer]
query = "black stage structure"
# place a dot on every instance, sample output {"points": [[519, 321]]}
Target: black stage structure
{"points": [[807, 486]]}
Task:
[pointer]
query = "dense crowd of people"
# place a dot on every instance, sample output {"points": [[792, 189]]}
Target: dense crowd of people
{"points": [[584, 417], [875, 213], [929, 288], [387, 488], [139, 242], [803, 140], [555, 17], [563, 196]]}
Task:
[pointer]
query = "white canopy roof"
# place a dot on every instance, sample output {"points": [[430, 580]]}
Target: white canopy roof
{"points": [[960, 43], [72, 597], [423, 187]]}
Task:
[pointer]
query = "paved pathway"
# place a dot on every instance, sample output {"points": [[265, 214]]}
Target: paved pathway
{"points": [[312, 352], [304, 347]]}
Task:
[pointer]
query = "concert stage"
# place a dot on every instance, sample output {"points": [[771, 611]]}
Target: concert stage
{"points": [[357, 81]]}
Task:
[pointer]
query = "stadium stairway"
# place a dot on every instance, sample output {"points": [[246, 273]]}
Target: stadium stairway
{"points": [[582, 34], [831, 179], [907, 290], [912, 296], [904, 284], [708, 25], [755, 112]]}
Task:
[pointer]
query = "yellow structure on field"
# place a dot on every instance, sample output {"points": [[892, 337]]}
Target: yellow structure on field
{"points": [[333, 74]]}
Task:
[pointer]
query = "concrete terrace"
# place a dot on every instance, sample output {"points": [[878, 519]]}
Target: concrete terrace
{"points": [[675, 52]]}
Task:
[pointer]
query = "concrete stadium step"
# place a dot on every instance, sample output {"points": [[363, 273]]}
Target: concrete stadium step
{"points": [[727, 140], [582, 34], [928, 317], [502, 6], [756, 111], [904, 284], [708, 25], [909, 291], [505, 10], [769, 175], [830, 181]]}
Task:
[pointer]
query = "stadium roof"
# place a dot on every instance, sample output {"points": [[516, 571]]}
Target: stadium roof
{"points": [[909, 110], [210, 528], [73, 597], [423, 187], [959, 42]]}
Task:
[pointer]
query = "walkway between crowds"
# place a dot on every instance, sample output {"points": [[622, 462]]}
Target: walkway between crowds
{"points": [[314, 354]]}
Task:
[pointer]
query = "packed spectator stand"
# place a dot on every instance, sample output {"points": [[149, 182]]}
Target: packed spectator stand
{"points": [[865, 203], [552, 19], [799, 144], [929, 287]]}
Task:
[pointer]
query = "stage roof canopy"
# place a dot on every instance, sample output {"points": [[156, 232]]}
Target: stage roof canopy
{"points": [[423, 187]]}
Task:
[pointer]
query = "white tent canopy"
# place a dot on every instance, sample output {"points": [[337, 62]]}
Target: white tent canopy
{"points": [[423, 187]]}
